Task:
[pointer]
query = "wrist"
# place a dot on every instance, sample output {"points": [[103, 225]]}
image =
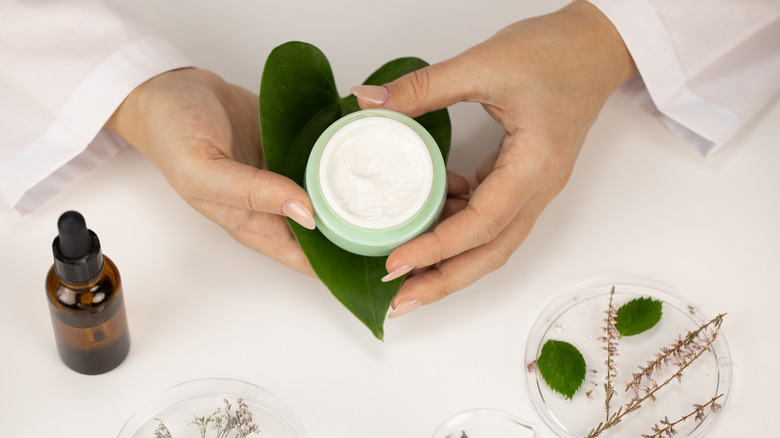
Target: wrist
{"points": [[129, 120], [125, 120], [609, 55]]}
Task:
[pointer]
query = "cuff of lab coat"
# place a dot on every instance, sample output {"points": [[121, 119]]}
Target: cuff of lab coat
{"points": [[74, 143], [662, 90]]}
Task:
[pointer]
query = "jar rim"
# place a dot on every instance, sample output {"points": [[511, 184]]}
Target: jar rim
{"points": [[366, 241]]}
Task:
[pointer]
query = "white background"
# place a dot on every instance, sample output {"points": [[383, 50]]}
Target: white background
{"points": [[640, 202]]}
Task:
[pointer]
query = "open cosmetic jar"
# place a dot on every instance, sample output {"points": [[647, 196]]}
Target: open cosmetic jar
{"points": [[376, 179]]}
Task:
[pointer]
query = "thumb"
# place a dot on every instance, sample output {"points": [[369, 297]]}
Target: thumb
{"points": [[428, 89]]}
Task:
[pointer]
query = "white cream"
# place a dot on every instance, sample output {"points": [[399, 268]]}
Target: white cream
{"points": [[376, 173]]}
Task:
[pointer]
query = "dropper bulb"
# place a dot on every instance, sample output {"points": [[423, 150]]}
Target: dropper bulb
{"points": [[75, 240]]}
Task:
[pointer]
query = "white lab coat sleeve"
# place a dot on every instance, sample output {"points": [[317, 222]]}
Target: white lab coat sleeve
{"points": [[66, 66], [706, 66]]}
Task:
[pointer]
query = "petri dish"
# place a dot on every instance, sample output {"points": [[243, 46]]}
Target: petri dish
{"points": [[577, 317], [178, 406], [484, 423]]}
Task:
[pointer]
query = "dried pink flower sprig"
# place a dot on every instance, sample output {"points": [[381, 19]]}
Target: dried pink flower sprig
{"points": [[609, 338], [679, 351], [223, 422], [161, 431], [667, 428], [684, 352], [239, 419]]}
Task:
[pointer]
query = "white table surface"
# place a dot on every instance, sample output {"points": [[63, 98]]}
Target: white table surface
{"points": [[640, 202]]}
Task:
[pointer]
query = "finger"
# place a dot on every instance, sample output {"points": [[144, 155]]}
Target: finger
{"points": [[452, 206], [494, 204], [457, 184], [418, 271], [430, 88], [266, 233], [226, 181], [473, 181], [463, 270], [487, 166]]}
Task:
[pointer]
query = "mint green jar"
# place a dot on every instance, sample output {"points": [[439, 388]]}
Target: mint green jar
{"points": [[376, 179]]}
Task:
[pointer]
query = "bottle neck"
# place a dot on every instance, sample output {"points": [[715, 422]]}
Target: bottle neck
{"points": [[79, 271]]}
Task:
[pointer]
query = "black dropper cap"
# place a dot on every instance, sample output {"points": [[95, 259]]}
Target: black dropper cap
{"points": [[77, 255]]}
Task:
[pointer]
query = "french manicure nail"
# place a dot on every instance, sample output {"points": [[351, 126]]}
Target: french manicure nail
{"points": [[397, 272], [300, 214], [372, 94], [404, 308]]}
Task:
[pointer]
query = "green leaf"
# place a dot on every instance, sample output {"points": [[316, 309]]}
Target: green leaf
{"points": [[638, 315], [298, 101], [562, 366]]}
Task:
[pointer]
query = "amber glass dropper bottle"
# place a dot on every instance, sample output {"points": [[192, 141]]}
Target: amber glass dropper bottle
{"points": [[85, 298]]}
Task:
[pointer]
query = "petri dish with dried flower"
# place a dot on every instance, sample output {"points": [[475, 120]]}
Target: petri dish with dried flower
{"points": [[224, 408], [485, 423], [672, 377]]}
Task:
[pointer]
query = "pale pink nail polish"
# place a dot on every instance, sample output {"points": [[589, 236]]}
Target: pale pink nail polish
{"points": [[404, 308], [372, 94], [397, 272], [300, 214]]}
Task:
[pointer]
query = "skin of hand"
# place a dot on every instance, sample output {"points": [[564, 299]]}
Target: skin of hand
{"points": [[204, 135], [544, 80]]}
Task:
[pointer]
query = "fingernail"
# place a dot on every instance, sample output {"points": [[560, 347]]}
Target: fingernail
{"points": [[404, 308], [372, 94], [300, 214], [397, 272]]}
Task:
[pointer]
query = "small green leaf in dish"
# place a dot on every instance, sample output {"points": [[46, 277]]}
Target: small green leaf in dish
{"points": [[562, 366], [638, 315], [298, 101]]}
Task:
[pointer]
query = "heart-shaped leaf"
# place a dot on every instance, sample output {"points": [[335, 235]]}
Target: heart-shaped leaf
{"points": [[298, 101], [562, 366]]}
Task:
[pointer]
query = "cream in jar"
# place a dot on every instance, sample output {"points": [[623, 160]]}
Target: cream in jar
{"points": [[376, 179]]}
